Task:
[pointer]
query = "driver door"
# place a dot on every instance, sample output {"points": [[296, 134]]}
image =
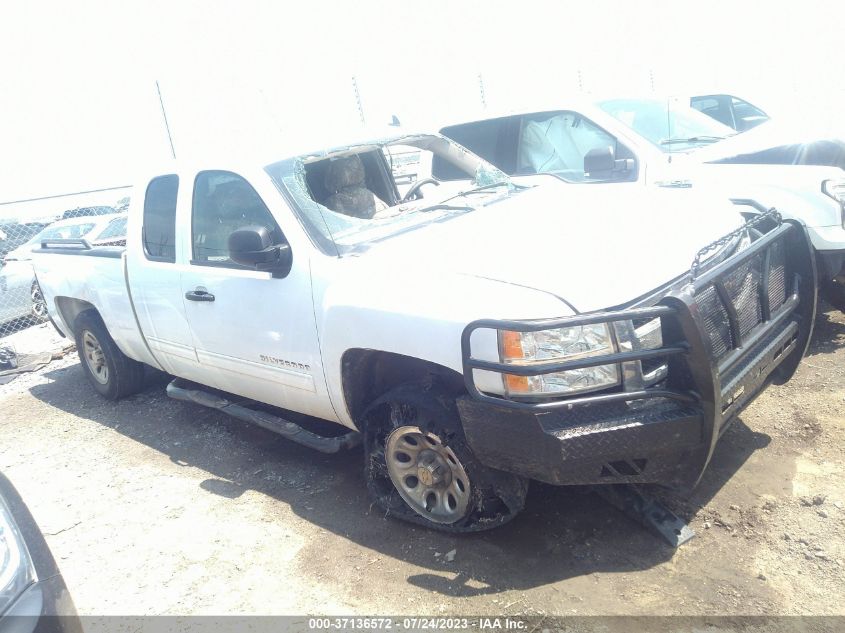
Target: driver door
{"points": [[254, 335]]}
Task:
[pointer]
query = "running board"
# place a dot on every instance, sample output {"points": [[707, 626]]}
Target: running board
{"points": [[179, 389], [647, 511]]}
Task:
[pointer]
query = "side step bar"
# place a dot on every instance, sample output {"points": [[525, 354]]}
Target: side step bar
{"points": [[179, 389]]}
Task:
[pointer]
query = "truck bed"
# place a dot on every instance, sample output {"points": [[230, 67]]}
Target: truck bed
{"points": [[75, 277]]}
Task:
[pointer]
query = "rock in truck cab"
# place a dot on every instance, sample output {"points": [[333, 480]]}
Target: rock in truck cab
{"points": [[472, 336]]}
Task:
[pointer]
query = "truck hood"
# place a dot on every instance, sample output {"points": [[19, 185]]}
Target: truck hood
{"points": [[759, 181], [593, 247], [774, 143]]}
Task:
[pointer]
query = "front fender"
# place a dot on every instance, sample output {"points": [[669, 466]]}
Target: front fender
{"points": [[420, 317]]}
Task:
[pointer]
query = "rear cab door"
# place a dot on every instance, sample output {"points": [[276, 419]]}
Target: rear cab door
{"points": [[154, 273], [254, 335]]}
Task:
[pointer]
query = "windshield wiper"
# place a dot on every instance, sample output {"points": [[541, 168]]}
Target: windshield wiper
{"points": [[693, 139], [501, 183], [445, 207]]}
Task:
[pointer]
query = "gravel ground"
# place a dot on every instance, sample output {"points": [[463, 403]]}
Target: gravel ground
{"points": [[153, 506]]}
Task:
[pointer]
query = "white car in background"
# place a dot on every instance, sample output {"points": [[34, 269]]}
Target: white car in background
{"points": [[730, 110], [20, 296], [659, 142], [101, 230]]}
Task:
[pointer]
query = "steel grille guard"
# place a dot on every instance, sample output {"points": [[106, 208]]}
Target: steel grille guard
{"points": [[700, 386], [695, 376]]}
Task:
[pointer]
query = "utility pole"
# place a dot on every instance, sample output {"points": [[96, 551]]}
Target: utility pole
{"points": [[481, 91]]}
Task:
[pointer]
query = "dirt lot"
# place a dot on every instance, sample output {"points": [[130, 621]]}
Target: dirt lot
{"points": [[157, 507]]}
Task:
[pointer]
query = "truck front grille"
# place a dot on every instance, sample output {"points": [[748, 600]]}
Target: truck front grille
{"points": [[716, 324], [777, 276], [735, 304]]}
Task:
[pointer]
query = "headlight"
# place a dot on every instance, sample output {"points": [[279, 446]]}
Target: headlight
{"points": [[572, 343], [16, 571], [836, 189]]}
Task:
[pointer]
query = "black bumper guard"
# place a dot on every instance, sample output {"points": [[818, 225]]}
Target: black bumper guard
{"points": [[718, 360]]}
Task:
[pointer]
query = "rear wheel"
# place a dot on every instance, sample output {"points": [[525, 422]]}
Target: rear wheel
{"points": [[420, 469], [112, 374]]}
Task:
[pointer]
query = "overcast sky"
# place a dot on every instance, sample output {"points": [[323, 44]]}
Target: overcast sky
{"points": [[80, 108]]}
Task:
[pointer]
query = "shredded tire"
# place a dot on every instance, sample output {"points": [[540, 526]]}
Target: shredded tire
{"points": [[496, 496]]}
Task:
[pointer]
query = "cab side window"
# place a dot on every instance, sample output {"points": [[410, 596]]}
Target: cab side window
{"points": [[159, 234], [489, 139], [557, 142], [223, 203]]}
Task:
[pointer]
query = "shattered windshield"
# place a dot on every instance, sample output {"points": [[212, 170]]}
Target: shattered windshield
{"points": [[350, 196], [667, 123]]}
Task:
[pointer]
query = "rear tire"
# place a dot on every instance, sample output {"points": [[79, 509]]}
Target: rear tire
{"points": [[419, 467], [112, 374]]}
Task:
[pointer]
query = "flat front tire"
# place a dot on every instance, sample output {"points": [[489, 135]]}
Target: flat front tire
{"points": [[112, 374], [419, 467]]}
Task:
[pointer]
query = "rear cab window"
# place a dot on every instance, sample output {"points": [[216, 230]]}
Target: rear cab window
{"points": [[159, 228]]}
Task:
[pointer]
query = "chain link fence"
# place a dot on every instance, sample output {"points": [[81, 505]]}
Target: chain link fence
{"points": [[24, 326]]}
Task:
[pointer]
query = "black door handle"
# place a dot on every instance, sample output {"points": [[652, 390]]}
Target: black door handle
{"points": [[199, 295]]}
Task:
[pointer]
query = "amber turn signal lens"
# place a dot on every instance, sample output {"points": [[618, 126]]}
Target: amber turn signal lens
{"points": [[511, 351]]}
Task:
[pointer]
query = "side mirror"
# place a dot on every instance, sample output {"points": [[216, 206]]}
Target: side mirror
{"points": [[599, 161], [253, 247]]}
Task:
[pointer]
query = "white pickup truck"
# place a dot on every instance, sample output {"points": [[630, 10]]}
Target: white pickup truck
{"points": [[472, 339], [630, 142]]}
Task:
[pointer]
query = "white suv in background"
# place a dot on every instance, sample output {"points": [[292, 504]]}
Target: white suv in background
{"points": [[662, 143]]}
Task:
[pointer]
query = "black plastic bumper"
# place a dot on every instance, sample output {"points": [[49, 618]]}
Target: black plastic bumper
{"points": [[725, 335]]}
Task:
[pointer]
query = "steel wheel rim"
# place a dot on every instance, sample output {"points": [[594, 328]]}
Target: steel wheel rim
{"points": [[39, 306], [94, 357], [427, 474]]}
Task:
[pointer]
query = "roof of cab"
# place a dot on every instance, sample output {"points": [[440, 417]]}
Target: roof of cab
{"points": [[276, 148]]}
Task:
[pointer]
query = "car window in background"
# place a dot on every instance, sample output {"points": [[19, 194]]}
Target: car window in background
{"points": [[670, 125], [732, 111], [115, 228], [716, 107], [66, 232], [746, 115]]}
